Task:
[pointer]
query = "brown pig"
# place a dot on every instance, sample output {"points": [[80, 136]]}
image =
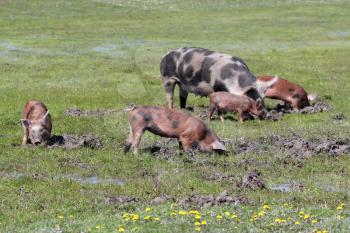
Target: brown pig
{"points": [[225, 102], [36, 123], [191, 132], [290, 93]]}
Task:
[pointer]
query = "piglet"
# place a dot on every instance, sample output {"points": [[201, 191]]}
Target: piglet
{"points": [[290, 93], [36, 123], [225, 102], [191, 132]]}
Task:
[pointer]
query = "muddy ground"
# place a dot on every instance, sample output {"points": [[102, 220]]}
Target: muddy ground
{"points": [[69, 141]]}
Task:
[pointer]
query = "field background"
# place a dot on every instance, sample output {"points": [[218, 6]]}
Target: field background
{"points": [[105, 54]]}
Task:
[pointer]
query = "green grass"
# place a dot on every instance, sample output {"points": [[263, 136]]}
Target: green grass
{"points": [[105, 54]]}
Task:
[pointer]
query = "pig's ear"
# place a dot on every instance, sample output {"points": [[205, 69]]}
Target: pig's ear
{"points": [[25, 122], [46, 114], [311, 97], [219, 146]]}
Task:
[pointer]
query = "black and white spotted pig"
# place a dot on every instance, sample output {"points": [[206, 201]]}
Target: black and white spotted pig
{"points": [[202, 72]]}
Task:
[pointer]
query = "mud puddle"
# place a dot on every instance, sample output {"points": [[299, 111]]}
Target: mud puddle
{"points": [[209, 200], [166, 148], [69, 141], [94, 113], [292, 145]]}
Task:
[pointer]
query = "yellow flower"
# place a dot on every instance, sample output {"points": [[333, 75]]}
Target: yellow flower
{"points": [[289, 218], [283, 220], [147, 217], [266, 207], [127, 219], [218, 217], [314, 221], [181, 212], [319, 231], [197, 217], [121, 229], [172, 214], [135, 217], [324, 231], [233, 216], [197, 229], [306, 216], [301, 213], [125, 215], [98, 227], [60, 216], [285, 205], [339, 207], [204, 222], [227, 213], [197, 223], [297, 223], [278, 220], [195, 212], [156, 219], [148, 209], [261, 213]]}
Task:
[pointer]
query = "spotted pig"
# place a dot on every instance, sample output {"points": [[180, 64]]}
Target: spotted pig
{"points": [[191, 132], [202, 72], [224, 102], [36, 123], [290, 93]]}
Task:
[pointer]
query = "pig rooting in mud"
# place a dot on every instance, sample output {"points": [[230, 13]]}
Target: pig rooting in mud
{"points": [[191, 132], [36, 123]]}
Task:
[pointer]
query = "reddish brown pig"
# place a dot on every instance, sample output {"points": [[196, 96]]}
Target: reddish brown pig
{"points": [[290, 93], [36, 123], [225, 102], [191, 132]]}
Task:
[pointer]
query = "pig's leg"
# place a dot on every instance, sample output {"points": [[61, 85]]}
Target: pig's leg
{"points": [[240, 116], [136, 141], [128, 143], [25, 135], [212, 109], [183, 97], [169, 85], [186, 142]]}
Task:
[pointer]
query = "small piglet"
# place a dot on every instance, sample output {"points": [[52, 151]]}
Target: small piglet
{"points": [[225, 102], [290, 93], [36, 123], [191, 132]]}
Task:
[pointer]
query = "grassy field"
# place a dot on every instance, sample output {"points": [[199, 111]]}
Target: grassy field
{"points": [[105, 54]]}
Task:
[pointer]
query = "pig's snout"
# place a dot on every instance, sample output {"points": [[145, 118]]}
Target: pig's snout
{"points": [[37, 142]]}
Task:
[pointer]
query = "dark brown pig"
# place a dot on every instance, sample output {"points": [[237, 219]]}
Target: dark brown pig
{"points": [[290, 93], [191, 132], [36, 123], [225, 102]]}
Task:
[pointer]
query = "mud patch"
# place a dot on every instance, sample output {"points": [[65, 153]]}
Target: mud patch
{"points": [[166, 148], [120, 200], [203, 201], [252, 180], [287, 187], [94, 113], [69, 141], [161, 199], [339, 117], [293, 145], [317, 107], [217, 176]]}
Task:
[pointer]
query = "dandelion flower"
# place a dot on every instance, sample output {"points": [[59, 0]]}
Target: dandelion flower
{"points": [[233, 216], [156, 219], [218, 217], [60, 216], [261, 213], [266, 207], [324, 231], [306, 216], [314, 221], [147, 217], [98, 227], [172, 214], [339, 207], [148, 209], [121, 229], [197, 229], [227, 213], [197, 223], [204, 222], [285, 205], [195, 212], [197, 217], [181, 212], [301, 213], [297, 223]]}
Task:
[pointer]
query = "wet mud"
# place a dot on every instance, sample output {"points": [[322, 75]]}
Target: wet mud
{"points": [[69, 141], [252, 180]]}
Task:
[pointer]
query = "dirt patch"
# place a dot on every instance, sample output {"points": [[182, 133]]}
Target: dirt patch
{"points": [[252, 180], [161, 199], [292, 145], [217, 176], [209, 200], [120, 200], [166, 148], [69, 141], [94, 113], [339, 117], [317, 107]]}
